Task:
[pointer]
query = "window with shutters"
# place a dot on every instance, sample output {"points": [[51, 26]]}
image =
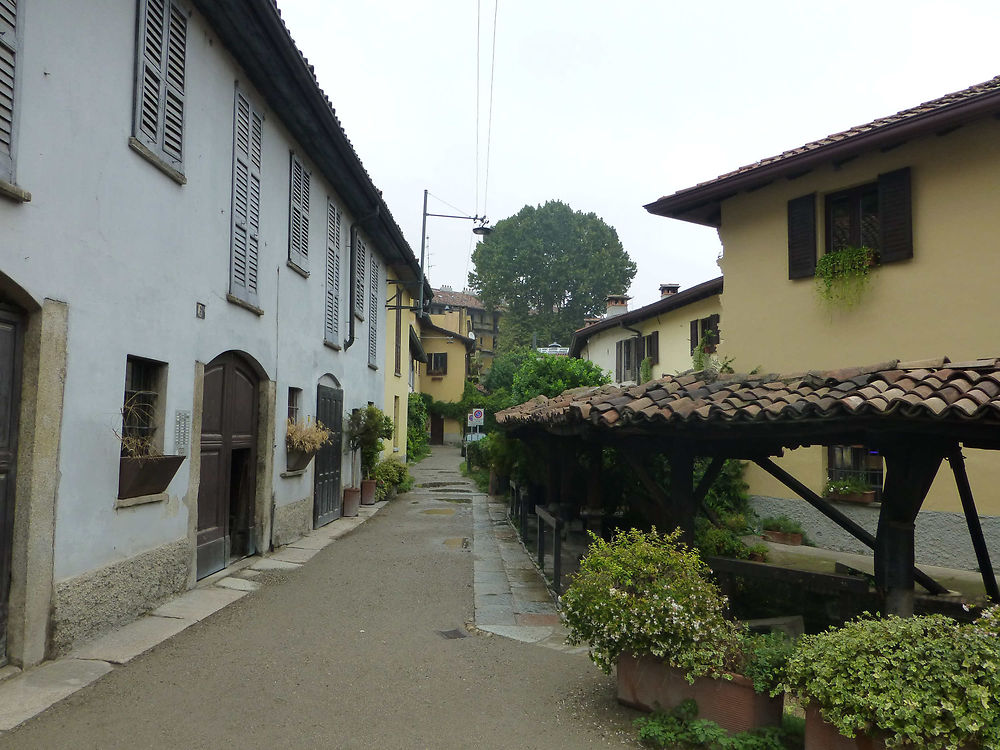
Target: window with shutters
{"points": [[373, 305], [334, 220], [298, 216], [876, 215], [158, 124], [8, 66], [437, 363], [629, 354], [360, 268], [245, 244], [651, 344], [707, 330]]}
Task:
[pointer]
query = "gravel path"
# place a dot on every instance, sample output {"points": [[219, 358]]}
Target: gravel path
{"points": [[350, 651]]}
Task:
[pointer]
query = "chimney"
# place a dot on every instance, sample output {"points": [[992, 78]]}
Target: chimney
{"points": [[668, 289], [591, 321], [446, 288], [617, 304]]}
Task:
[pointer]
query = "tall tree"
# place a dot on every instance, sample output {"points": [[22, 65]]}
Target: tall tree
{"points": [[548, 267]]}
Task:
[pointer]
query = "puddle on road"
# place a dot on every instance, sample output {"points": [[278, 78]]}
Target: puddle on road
{"points": [[439, 512], [454, 499], [441, 484], [457, 542]]}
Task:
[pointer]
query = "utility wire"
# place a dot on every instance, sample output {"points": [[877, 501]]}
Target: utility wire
{"points": [[489, 121], [453, 208], [478, 32]]}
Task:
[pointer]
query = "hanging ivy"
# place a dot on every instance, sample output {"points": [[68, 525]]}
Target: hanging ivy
{"points": [[843, 275]]}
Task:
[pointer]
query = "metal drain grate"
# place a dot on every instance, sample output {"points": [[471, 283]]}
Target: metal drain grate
{"points": [[452, 634]]}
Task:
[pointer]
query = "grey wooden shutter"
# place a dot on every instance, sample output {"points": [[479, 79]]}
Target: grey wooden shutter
{"points": [[802, 237], [8, 65], [373, 298], [244, 256], [360, 267], [332, 317], [298, 215], [895, 216], [619, 361], [159, 98]]}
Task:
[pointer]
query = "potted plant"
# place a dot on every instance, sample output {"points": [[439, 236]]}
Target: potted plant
{"points": [[850, 490], [843, 275], [645, 602], [352, 502], [303, 439], [366, 429], [926, 682], [142, 468], [782, 530]]}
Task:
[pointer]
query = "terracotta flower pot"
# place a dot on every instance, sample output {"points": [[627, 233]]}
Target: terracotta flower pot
{"points": [[368, 491], [647, 683], [861, 498], [782, 537], [352, 499]]}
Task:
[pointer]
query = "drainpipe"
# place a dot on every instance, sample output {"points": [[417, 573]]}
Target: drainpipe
{"points": [[353, 301]]}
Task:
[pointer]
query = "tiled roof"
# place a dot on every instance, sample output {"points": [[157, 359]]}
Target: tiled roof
{"points": [[934, 115], [457, 299], [935, 390]]}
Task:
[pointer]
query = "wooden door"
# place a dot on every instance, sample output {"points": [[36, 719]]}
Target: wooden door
{"points": [[437, 429], [10, 398], [228, 464], [326, 473]]}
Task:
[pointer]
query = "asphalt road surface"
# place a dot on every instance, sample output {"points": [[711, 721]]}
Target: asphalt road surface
{"points": [[348, 652]]}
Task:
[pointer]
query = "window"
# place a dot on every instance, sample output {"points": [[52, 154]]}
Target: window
{"points": [[331, 330], [856, 463], [244, 254], [294, 399], [876, 215], [651, 344], [707, 329], [8, 66], [374, 293], [158, 123], [629, 353], [298, 216], [142, 407], [437, 364]]}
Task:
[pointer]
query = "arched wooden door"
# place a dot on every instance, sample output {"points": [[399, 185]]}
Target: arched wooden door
{"points": [[326, 492], [11, 330], [228, 463]]}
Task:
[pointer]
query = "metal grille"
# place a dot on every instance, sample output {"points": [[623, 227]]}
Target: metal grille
{"points": [[182, 432]]}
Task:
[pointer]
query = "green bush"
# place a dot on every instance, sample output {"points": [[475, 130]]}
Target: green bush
{"points": [[765, 661], [782, 524], [477, 455], [680, 728], [366, 429], [547, 375], [417, 438], [647, 593], [391, 474], [924, 681]]}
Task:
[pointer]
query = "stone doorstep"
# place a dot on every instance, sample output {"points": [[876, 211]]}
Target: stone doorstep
{"points": [[126, 643], [198, 604], [293, 555], [8, 672]]}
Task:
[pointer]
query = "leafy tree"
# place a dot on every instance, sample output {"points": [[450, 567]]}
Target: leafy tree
{"points": [[504, 367], [549, 376], [549, 267]]}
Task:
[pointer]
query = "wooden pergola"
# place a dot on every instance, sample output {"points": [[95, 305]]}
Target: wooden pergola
{"points": [[915, 414]]}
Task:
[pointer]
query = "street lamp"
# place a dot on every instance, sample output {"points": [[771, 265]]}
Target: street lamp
{"points": [[482, 229]]}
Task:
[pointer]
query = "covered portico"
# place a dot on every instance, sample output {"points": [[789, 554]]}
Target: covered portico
{"points": [[916, 414]]}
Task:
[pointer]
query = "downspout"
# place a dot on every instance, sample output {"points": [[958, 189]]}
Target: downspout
{"points": [[353, 301]]}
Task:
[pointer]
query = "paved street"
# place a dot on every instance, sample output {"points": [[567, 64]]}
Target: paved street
{"points": [[370, 643]]}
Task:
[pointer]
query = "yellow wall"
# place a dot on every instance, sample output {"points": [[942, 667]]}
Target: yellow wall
{"points": [[451, 385], [942, 302], [398, 386], [674, 338]]}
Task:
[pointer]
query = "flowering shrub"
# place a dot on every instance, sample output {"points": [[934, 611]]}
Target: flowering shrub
{"points": [[650, 594], [925, 681]]}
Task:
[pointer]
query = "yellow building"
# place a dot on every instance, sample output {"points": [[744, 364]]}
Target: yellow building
{"points": [[464, 313], [921, 188], [403, 354], [667, 331], [443, 377]]}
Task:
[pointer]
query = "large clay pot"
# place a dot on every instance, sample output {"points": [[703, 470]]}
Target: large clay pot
{"points": [[647, 683], [823, 736], [368, 491], [352, 499]]}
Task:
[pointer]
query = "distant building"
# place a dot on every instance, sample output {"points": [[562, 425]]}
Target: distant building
{"points": [[464, 312]]}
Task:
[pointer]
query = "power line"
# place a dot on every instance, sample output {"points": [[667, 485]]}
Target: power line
{"points": [[489, 121], [453, 208], [478, 32]]}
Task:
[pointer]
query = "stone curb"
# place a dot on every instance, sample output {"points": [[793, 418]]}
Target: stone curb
{"points": [[25, 694]]}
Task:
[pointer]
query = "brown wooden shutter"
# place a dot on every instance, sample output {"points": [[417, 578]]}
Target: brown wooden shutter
{"points": [[695, 337], [619, 361], [895, 216], [653, 347], [8, 64], [802, 237]]}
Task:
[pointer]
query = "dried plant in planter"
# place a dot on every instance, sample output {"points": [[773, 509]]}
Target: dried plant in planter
{"points": [[136, 433], [307, 435]]}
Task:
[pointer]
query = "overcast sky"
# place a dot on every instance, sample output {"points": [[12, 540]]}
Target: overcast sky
{"points": [[608, 106]]}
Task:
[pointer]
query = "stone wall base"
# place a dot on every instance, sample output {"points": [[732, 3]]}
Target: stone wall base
{"points": [[292, 521], [942, 538], [87, 605]]}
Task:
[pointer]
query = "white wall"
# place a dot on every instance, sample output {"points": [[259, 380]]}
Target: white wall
{"points": [[132, 252]]}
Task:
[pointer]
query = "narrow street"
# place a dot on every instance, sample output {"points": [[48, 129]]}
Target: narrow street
{"points": [[367, 645]]}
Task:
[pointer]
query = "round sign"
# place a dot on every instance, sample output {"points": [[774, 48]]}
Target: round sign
{"points": [[477, 414]]}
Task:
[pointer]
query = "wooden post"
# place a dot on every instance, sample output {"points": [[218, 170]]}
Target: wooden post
{"points": [[910, 471], [957, 461], [684, 505], [553, 473]]}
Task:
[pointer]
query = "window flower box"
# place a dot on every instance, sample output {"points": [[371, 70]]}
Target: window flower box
{"points": [[146, 475]]}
